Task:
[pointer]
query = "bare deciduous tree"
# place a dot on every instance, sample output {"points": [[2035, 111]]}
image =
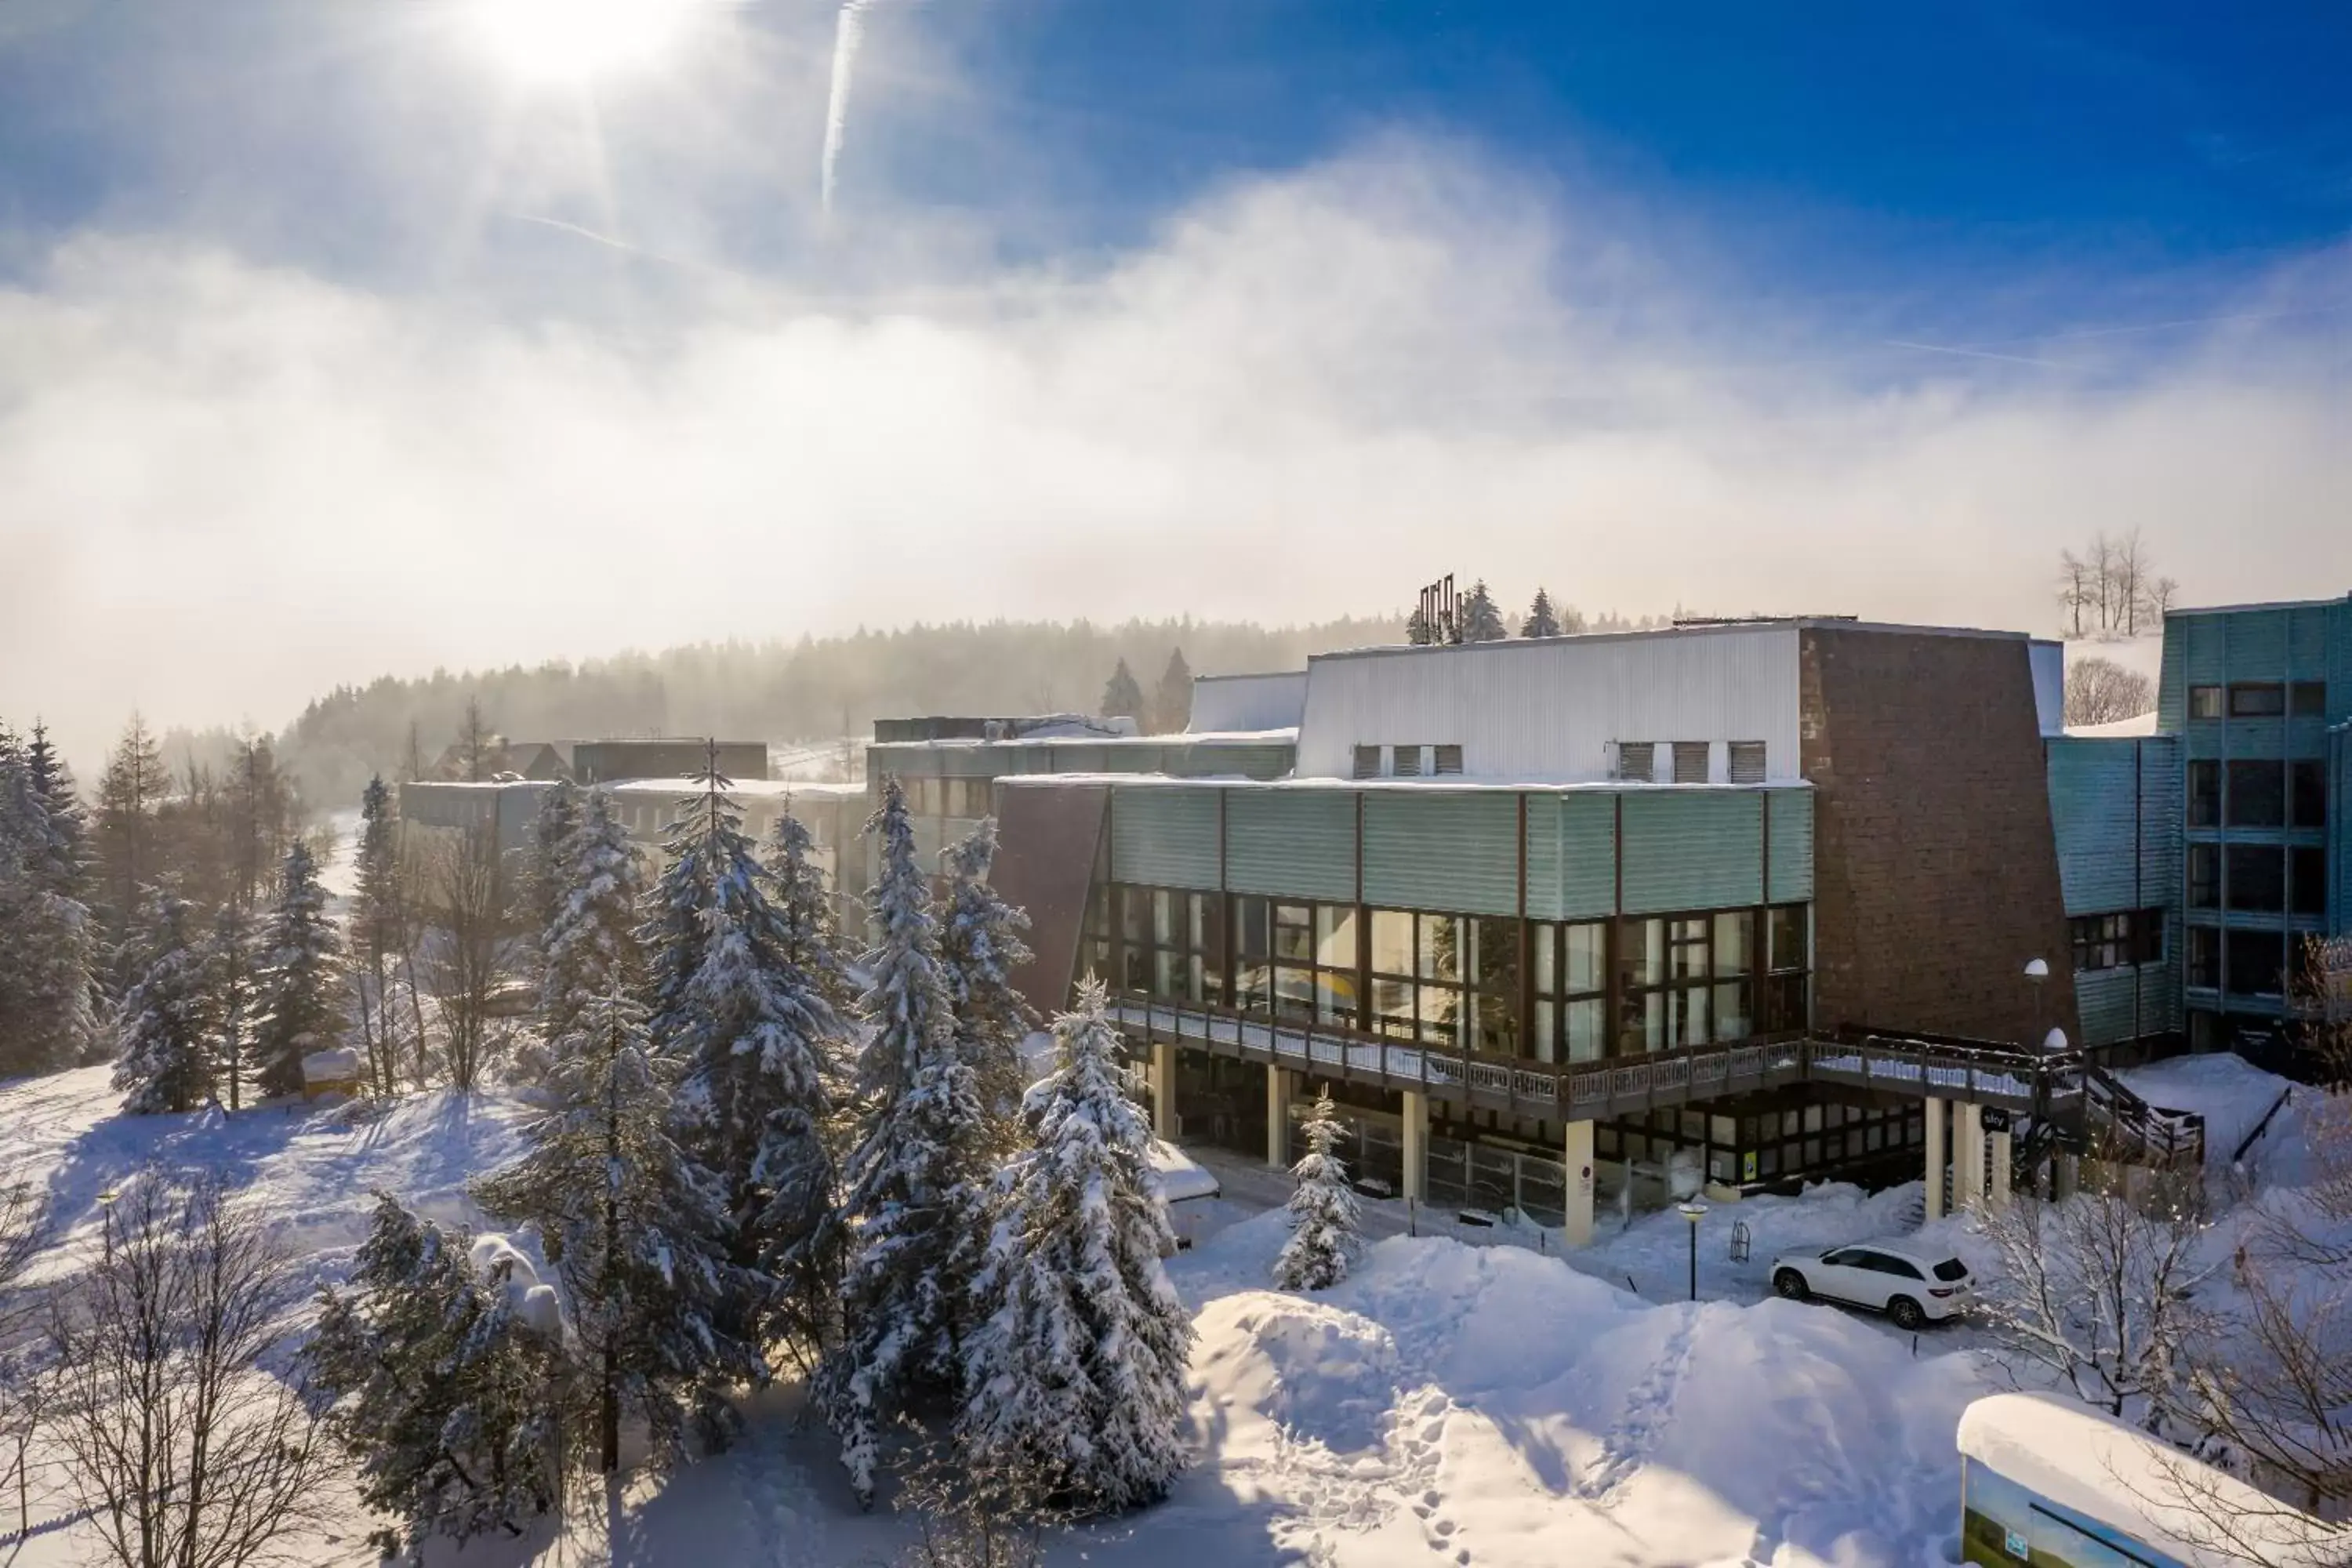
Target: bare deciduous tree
{"points": [[25, 1230], [182, 1451], [469, 949], [2100, 691], [2111, 587], [2102, 1289]]}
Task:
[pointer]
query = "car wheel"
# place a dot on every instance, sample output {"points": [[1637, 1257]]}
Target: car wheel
{"points": [[1905, 1313], [1790, 1285]]}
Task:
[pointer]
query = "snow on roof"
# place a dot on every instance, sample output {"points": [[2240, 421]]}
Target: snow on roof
{"points": [[756, 789], [2081, 1460], [1437, 783], [1186, 738], [1180, 1177], [338, 1065], [2137, 724]]}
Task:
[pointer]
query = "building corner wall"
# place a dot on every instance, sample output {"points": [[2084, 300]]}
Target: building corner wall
{"points": [[1934, 863], [1048, 839]]}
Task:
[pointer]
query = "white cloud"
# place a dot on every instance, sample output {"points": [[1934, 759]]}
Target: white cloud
{"points": [[224, 487]]}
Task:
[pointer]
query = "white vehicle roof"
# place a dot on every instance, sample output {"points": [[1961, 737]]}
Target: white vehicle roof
{"points": [[2079, 1459], [1180, 1177]]}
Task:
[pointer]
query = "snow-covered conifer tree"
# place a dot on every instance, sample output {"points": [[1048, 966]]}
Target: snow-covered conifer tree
{"points": [[1122, 695], [812, 935], [1323, 1211], [446, 1378], [380, 938], [590, 943], [674, 931], [1542, 620], [47, 939], [981, 945], [551, 858], [1074, 1382], [299, 976], [1482, 620], [166, 1061], [634, 1229], [916, 1202], [757, 1031]]}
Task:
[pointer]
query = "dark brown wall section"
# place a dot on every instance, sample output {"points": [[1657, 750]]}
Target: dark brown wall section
{"points": [[1934, 867], [1047, 837]]}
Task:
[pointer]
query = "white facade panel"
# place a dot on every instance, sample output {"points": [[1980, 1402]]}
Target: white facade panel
{"points": [[1553, 710], [1228, 703]]}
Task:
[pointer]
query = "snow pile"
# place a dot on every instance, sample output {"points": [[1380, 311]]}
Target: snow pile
{"points": [[534, 1305], [1493, 1405], [2231, 1094]]}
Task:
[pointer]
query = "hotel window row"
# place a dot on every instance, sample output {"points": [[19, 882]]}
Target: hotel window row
{"points": [[2259, 879], [2260, 793], [1538, 990], [2260, 699]]}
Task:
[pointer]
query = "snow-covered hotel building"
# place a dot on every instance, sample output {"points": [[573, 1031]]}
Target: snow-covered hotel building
{"points": [[1770, 899]]}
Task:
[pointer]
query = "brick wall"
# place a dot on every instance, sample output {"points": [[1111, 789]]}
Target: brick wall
{"points": [[1936, 870], [1047, 838]]}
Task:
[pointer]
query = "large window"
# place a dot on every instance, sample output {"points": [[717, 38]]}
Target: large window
{"points": [[2113, 941], [1788, 956], [2257, 962], [1446, 980], [1295, 960], [2204, 702], [1172, 943], [2262, 700], [2308, 699], [2205, 956], [2204, 876], [1685, 979], [2257, 877], [1572, 990], [2204, 794], [2257, 794]]}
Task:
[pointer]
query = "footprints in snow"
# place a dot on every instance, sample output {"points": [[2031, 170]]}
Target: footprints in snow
{"points": [[1419, 1432], [1648, 1406]]}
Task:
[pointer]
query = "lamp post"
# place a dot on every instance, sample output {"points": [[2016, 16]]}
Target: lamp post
{"points": [[1693, 1211], [2036, 971]]}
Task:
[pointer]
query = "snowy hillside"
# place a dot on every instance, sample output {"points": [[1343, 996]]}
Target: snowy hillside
{"points": [[1446, 1403]]}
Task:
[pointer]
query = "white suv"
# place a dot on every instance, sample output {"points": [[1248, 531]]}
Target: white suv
{"points": [[1909, 1284]]}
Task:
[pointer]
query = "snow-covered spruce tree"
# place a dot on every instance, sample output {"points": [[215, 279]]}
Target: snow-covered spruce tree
{"points": [[1122, 695], [589, 946], [552, 857], [757, 1030], [300, 973], [1481, 619], [1073, 1393], [48, 1015], [981, 945], [1323, 1213], [812, 935], [672, 934], [916, 1200], [635, 1231], [1542, 620], [166, 1061], [447, 1381]]}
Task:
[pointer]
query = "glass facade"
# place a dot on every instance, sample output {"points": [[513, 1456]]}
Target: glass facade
{"points": [[1492, 985]]}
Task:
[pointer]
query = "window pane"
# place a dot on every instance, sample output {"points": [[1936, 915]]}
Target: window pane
{"points": [[1294, 994], [1335, 935], [2204, 702], [1168, 974], [1392, 1009], [2307, 793], [1250, 935], [1546, 958], [1544, 1042], [2204, 794], [1587, 957], [1495, 958], [1586, 1024], [1440, 949], [1335, 997], [2257, 794], [1391, 942], [2308, 881], [1135, 913], [1138, 968], [1293, 931], [1788, 935], [2257, 877], [1642, 1023], [2204, 876], [1731, 1019], [1690, 1016], [1735, 941], [1642, 953], [2204, 956], [1498, 1024], [1440, 1015], [2257, 962], [1163, 917], [2307, 698]]}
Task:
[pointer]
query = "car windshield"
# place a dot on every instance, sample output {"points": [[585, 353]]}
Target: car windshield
{"points": [[1951, 1269]]}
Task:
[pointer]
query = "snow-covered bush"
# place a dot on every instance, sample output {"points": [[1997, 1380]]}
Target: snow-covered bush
{"points": [[443, 1363], [1323, 1211]]}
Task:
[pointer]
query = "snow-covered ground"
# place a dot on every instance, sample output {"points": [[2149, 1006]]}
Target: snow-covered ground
{"points": [[1448, 1403]]}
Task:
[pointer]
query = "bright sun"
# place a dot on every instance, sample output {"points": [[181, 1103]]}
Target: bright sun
{"points": [[558, 41]]}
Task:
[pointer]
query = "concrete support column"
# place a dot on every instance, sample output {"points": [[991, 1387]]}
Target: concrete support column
{"points": [[1577, 1227], [1416, 1146], [1968, 1152], [2066, 1176], [1277, 1118], [1936, 1158], [1998, 1198], [1163, 1090]]}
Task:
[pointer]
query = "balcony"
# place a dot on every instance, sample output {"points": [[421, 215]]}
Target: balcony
{"points": [[1973, 1072]]}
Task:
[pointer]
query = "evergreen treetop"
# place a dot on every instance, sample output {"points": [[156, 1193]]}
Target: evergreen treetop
{"points": [[166, 1061], [1324, 1215], [590, 944], [1172, 700], [1542, 620], [1122, 697], [299, 971], [979, 946], [1482, 620]]}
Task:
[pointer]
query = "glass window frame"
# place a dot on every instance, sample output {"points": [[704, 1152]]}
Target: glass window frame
{"points": [[2204, 804], [2257, 699], [2256, 793], [2205, 702]]}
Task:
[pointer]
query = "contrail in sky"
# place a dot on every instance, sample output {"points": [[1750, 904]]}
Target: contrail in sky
{"points": [[848, 34]]}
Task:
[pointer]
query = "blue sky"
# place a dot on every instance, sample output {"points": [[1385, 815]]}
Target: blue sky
{"points": [[1610, 292]]}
